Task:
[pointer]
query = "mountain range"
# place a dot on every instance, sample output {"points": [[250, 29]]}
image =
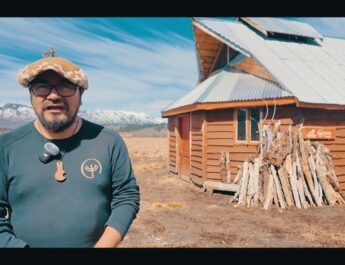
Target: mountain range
{"points": [[13, 115]]}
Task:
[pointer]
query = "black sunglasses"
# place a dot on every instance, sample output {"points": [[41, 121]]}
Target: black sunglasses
{"points": [[43, 89]]}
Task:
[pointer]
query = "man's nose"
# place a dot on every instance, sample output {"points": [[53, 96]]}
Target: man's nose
{"points": [[53, 94]]}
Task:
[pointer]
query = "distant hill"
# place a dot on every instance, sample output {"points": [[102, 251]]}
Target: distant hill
{"points": [[145, 130]]}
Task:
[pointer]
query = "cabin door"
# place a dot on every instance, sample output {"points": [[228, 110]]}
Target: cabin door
{"points": [[184, 150]]}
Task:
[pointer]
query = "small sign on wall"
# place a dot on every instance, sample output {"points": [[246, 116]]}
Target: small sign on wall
{"points": [[319, 133]]}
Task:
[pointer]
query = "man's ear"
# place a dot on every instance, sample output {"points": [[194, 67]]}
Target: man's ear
{"points": [[81, 91]]}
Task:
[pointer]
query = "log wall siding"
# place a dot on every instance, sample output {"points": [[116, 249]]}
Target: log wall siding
{"points": [[330, 118], [219, 137], [196, 154], [172, 159], [214, 131]]}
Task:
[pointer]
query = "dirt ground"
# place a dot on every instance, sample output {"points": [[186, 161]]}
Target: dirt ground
{"points": [[173, 213]]}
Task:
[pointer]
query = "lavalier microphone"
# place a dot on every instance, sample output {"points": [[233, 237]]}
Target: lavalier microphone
{"points": [[50, 150]]}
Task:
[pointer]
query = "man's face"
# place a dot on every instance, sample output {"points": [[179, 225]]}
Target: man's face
{"points": [[55, 112]]}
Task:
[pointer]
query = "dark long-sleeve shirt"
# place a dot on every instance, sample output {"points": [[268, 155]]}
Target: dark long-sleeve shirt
{"points": [[100, 188]]}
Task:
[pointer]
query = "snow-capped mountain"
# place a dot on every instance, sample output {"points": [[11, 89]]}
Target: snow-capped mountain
{"points": [[14, 115], [112, 117]]}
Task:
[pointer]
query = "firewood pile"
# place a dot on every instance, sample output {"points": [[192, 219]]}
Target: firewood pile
{"points": [[288, 172]]}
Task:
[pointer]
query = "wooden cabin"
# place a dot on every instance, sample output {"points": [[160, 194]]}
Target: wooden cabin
{"points": [[255, 71]]}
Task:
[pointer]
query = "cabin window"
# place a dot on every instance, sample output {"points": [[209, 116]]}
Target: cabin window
{"points": [[248, 124], [241, 124], [254, 124]]}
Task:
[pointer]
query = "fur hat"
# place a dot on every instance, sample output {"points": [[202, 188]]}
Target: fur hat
{"points": [[60, 65]]}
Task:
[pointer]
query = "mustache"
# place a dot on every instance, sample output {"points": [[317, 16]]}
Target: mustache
{"points": [[48, 103]]}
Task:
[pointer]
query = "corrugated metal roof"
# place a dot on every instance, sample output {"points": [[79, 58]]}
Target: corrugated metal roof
{"points": [[278, 25], [313, 73], [229, 84]]}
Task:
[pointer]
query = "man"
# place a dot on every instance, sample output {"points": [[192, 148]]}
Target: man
{"points": [[83, 193]]}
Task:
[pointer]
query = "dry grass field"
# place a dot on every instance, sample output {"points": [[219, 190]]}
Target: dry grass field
{"points": [[175, 214]]}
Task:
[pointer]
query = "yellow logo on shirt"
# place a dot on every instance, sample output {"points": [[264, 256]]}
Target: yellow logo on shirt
{"points": [[90, 167]]}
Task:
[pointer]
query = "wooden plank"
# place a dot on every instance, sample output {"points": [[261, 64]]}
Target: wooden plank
{"points": [[211, 175], [207, 39], [250, 191], [335, 147], [293, 184], [196, 125], [196, 159], [221, 128], [213, 156], [208, 58], [217, 149], [339, 170], [213, 169], [216, 185], [244, 149], [197, 138], [233, 171], [204, 130], [304, 150], [339, 162], [283, 176], [340, 133], [338, 155], [195, 163], [221, 123], [197, 180], [207, 53], [342, 186], [196, 171], [197, 154], [208, 46], [203, 37], [196, 149], [244, 184], [341, 178], [269, 192], [325, 116], [251, 66], [239, 157], [219, 142], [212, 162], [223, 116], [278, 188], [196, 144], [220, 135]]}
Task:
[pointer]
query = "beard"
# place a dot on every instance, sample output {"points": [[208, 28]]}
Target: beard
{"points": [[57, 125]]}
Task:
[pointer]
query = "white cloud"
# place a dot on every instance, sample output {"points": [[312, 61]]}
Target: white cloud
{"points": [[128, 74]]}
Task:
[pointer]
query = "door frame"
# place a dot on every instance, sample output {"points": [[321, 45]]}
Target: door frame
{"points": [[187, 115]]}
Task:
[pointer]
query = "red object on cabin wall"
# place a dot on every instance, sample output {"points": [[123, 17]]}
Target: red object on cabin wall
{"points": [[184, 149]]}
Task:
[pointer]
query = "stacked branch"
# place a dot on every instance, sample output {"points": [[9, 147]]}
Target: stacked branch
{"points": [[288, 172], [224, 161]]}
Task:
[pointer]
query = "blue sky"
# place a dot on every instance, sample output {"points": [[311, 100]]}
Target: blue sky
{"points": [[133, 64]]}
